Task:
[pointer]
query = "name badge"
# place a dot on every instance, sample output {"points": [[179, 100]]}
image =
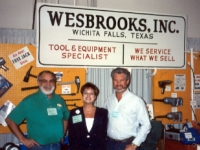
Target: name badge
{"points": [[76, 119], [52, 111], [114, 114]]}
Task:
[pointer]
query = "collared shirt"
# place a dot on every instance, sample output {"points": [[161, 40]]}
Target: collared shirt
{"points": [[128, 117], [44, 117]]}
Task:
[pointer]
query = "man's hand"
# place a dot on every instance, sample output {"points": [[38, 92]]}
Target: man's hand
{"points": [[62, 140], [18, 133], [130, 147], [29, 142]]}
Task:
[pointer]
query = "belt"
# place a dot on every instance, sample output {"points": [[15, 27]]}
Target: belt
{"points": [[124, 140]]}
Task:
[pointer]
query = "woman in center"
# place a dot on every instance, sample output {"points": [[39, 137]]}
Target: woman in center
{"points": [[87, 125]]}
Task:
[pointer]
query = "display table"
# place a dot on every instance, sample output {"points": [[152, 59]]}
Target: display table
{"points": [[176, 145]]}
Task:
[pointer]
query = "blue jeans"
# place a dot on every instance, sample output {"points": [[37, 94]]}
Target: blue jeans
{"points": [[114, 145], [56, 146]]}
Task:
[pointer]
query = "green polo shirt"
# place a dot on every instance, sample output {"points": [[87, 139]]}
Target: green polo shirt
{"points": [[44, 117]]}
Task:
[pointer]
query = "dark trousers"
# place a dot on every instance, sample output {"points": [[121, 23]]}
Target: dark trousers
{"points": [[47, 147], [117, 145]]}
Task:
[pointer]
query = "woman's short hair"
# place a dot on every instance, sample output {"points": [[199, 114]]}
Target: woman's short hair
{"points": [[92, 86]]}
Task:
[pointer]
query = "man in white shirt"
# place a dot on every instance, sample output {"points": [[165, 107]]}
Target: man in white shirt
{"points": [[129, 122]]}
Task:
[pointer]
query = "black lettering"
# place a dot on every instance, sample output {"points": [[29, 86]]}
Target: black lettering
{"points": [[90, 21], [162, 26], [79, 18], [68, 19], [100, 20], [170, 24], [108, 22], [55, 18], [132, 24], [119, 23], [142, 23]]}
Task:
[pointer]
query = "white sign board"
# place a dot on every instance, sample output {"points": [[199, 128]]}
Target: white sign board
{"points": [[79, 36], [21, 57]]}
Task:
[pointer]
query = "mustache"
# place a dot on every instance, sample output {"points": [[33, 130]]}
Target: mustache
{"points": [[121, 86], [48, 87], [119, 91]]}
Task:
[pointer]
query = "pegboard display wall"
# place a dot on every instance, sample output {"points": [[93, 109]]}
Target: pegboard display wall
{"points": [[160, 108], [16, 76]]}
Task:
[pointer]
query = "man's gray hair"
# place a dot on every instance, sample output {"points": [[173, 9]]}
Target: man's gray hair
{"points": [[121, 70], [48, 72]]}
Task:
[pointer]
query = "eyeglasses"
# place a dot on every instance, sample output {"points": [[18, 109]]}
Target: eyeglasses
{"points": [[85, 93], [43, 81]]}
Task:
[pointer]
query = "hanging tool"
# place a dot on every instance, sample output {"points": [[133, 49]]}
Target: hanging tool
{"points": [[29, 88], [28, 74], [162, 84], [2, 62], [178, 101], [76, 81], [176, 116]]}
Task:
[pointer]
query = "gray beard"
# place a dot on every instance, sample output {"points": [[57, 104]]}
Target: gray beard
{"points": [[119, 91], [47, 92]]}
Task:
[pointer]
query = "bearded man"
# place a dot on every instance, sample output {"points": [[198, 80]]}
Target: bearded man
{"points": [[45, 113]]}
